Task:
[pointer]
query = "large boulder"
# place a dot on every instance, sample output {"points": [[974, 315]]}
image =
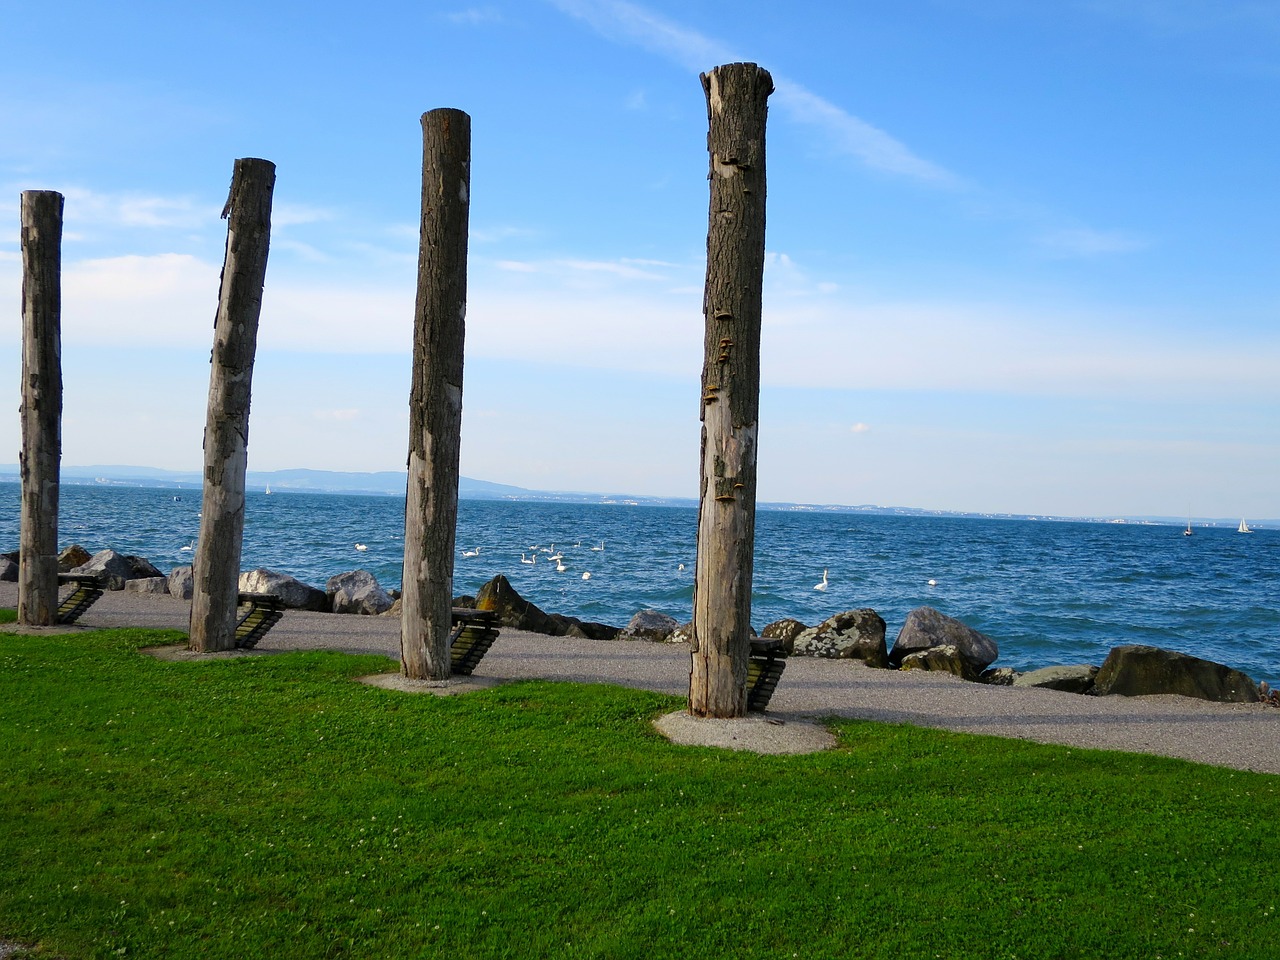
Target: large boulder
{"points": [[1138, 670], [71, 557], [945, 658], [117, 568], [295, 594], [650, 625], [357, 592], [182, 583], [154, 586], [565, 626], [512, 609], [515, 611], [851, 635], [1077, 678], [8, 570], [785, 630], [682, 633], [925, 627]]}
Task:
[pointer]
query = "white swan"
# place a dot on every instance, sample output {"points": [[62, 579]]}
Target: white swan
{"points": [[526, 560], [361, 547], [586, 576], [601, 547], [560, 567], [471, 553], [823, 584], [188, 548], [557, 556], [933, 583]]}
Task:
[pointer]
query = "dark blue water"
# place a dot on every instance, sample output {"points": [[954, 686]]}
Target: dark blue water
{"points": [[1047, 592]]}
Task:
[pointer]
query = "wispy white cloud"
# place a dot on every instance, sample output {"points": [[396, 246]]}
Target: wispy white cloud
{"points": [[295, 214], [633, 24], [855, 137], [495, 234], [1086, 242], [95, 209], [860, 428], [618, 268], [475, 16], [516, 266]]}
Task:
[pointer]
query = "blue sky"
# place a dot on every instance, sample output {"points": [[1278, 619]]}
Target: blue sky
{"points": [[1022, 256]]}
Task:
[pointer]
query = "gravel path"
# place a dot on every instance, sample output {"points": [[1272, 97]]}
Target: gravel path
{"points": [[1242, 736]]}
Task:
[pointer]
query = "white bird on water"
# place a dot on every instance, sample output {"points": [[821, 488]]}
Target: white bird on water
{"points": [[188, 548], [823, 584], [361, 547], [586, 576], [526, 560], [601, 547], [933, 583], [471, 553], [560, 567]]}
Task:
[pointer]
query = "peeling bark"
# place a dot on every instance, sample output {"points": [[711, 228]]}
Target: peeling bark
{"points": [[41, 410], [737, 107], [226, 434], [435, 401]]}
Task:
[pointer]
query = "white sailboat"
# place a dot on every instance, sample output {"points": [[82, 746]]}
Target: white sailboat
{"points": [[1188, 532], [1243, 528]]}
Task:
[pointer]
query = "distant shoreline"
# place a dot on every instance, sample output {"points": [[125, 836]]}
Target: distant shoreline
{"points": [[392, 483]]}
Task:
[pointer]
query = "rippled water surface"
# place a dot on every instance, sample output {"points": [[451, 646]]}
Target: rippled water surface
{"points": [[1047, 592]]}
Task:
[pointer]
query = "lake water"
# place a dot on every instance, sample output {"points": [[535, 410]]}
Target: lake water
{"points": [[1047, 592]]}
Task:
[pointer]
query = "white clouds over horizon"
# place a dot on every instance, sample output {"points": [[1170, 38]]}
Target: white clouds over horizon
{"points": [[644, 316]]}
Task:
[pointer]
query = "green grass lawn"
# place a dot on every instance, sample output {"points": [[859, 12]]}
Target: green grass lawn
{"points": [[269, 807]]}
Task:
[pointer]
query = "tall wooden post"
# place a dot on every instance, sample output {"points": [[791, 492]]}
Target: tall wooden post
{"points": [[737, 105], [435, 402], [41, 406], [226, 432]]}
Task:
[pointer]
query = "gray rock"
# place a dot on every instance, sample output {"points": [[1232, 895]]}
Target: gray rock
{"points": [[999, 676], [947, 658], [115, 568], [182, 583], [154, 586], [513, 610], [650, 625], [141, 568], [8, 570], [925, 628], [71, 557], [785, 630], [1077, 678], [1139, 670], [295, 594], [357, 592], [851, 635], [682, 633]]}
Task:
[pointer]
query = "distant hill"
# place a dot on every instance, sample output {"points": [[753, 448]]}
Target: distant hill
{"points": [[384, 483], [391, 483]]}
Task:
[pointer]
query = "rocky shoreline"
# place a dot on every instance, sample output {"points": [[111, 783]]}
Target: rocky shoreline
{"points": [[928, 641]]}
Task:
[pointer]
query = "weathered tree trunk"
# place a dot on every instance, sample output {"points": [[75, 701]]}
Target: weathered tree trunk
{"points": [[41, 406], [226, 432], [737, 105], [435, 402]]}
